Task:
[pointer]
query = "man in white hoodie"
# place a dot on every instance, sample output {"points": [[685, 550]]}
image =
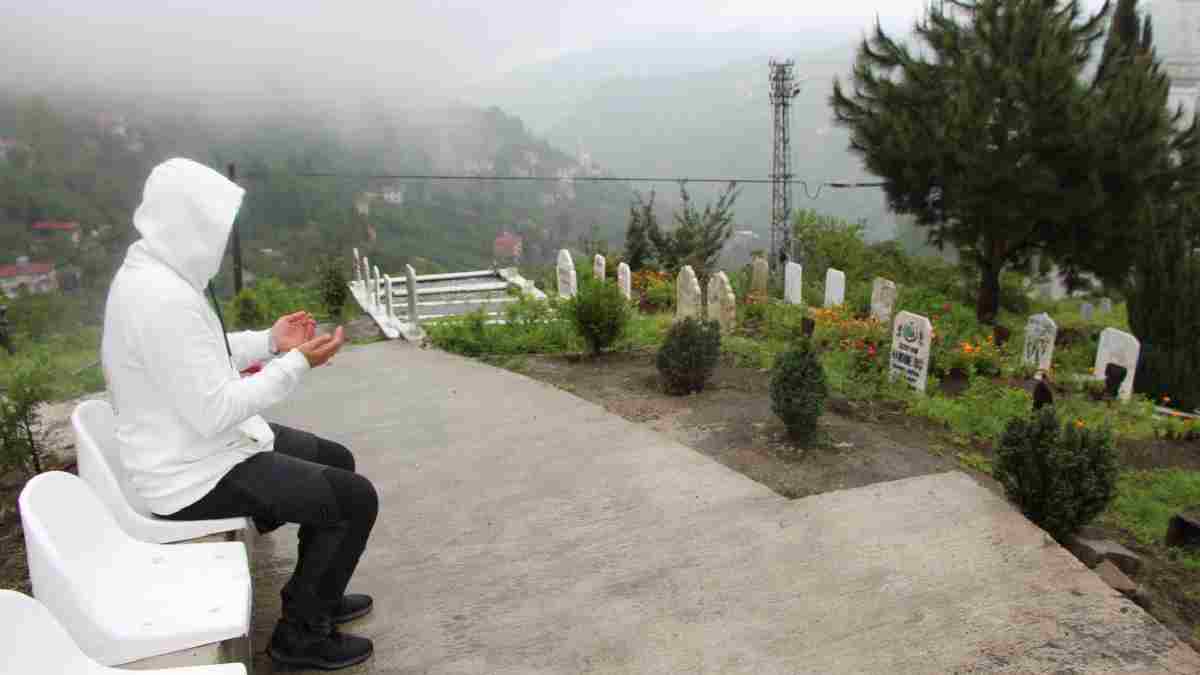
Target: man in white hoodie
{"points": [[188, 423]]}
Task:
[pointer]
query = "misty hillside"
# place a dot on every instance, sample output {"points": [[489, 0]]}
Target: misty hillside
{"points": [[84, 159], [709, 122]]}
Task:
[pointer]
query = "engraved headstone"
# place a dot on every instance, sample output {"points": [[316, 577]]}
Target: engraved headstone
{"points": [[687, 294], [912, 335], [759, 273], [722, 303], [1040, 333], [835, 287], [411, 284], [1123, 349], [566, 275], [883, 300], [1087, 311], [793, 285], [598, 267], [625, 280]]}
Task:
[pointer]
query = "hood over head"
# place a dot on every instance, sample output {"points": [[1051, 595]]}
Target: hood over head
{"points": [[185, 217]]}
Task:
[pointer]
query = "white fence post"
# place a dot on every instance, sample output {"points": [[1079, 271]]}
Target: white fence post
{"points": [[412, 294]]}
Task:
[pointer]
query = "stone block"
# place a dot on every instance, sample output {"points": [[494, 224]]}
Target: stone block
{"points": [[1116, 579], [1184, 529], [1092, 552]]}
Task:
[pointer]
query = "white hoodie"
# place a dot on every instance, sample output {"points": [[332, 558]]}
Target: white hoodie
{"points": [[185, 416]]}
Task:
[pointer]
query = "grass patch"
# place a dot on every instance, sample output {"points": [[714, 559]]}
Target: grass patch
{"points": [[982, 411], [1145, 502], [73, 359], [976, 461]]}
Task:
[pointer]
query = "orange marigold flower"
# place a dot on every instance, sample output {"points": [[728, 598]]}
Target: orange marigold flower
{"points": [[1079, 424]]}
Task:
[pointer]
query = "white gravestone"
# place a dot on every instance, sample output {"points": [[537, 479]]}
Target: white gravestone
{"points": [[1087, 311], [722, 303], [793, 285], [758, 276], [625, 280], [687, 294], [1040, 334], [883, 300], [835, 287], [387, 288], [911, 338], [1123, 349], [598, 270], [1106, 305], [411, 284], [566, 275]]}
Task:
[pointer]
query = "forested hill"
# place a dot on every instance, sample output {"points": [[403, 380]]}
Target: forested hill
{"points": [[85, 160]]}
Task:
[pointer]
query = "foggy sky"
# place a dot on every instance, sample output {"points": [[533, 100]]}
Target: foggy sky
{"points": [[421, 49]]}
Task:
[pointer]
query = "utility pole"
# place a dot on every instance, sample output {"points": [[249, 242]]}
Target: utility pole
{"points": [[783, 89], [237, 242]]}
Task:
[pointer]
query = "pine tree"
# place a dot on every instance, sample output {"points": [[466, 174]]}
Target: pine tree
{"points": [[639, 251], [699, 236], [983, 133]]}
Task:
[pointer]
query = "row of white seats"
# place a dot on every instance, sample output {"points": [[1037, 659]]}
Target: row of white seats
{"points": [[126, 587]]}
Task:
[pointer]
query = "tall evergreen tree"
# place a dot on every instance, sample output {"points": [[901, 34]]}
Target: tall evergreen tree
{"points": [[699, 236], [639, 250], [982, 134]]}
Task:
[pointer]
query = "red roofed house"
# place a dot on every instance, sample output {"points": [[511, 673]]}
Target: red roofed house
{"points": [[33, 277], [507, 246], [46, 228]]}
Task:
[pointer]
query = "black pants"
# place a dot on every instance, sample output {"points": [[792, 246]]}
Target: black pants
{"points": [[310, 481]]}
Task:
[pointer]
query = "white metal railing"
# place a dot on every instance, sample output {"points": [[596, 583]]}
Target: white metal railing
{"points": [[377, 294]]}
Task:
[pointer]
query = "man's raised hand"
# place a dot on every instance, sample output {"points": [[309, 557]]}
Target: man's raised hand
{"points": [[320, 349], [292, 330]]}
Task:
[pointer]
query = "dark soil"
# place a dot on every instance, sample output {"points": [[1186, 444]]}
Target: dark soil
{"points": [[859, 444], [731, 421]]}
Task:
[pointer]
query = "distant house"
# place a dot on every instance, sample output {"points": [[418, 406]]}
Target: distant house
{"points": [[508, 246], [27, 276], [48, 229], [8, 145], [394, 195]]}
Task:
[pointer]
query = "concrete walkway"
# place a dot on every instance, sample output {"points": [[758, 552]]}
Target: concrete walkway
{"points": [[524, 530]]}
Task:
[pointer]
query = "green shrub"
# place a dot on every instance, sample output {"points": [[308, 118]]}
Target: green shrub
{"points": [[600, 314], [247, 313], [27, 387], [689, 354], [1060, 476], [798, 391], [332, 283]]}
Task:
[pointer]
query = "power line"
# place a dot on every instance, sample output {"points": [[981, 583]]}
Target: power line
{"points": [[577, 179]]}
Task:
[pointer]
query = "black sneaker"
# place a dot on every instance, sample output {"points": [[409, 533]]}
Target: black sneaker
{"points": [[352, 606], [291, 645]]}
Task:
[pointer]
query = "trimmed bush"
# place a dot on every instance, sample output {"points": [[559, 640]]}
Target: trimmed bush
{"points": [[247, 313], [1060, 476], [689, 354], [600, 314], [798, 390], [333, 286]]}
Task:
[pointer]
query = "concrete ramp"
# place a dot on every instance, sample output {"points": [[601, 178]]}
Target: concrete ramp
{"points": [[524, 530]]}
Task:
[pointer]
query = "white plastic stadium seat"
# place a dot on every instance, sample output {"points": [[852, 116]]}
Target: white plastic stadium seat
{"points": [[33, 641], [125, 600], [100, 465]]}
